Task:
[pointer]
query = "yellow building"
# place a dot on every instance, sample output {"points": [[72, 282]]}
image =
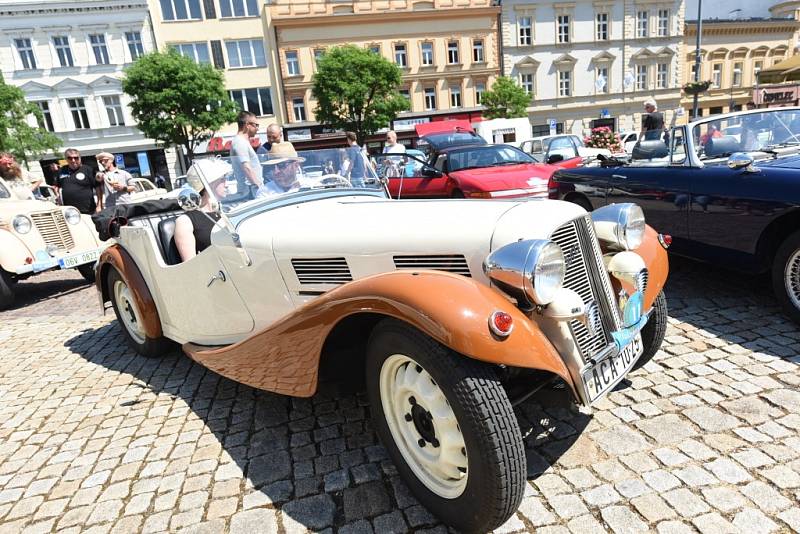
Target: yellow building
{"points": [[447, 51], [732, 53]]}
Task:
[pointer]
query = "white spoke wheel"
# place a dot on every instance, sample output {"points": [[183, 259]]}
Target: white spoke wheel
{"points": [[131, 319], [786, 276], [448, 425]]}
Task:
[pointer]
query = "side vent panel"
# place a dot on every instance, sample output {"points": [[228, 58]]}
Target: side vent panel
{"points": [[322, 271], [452, 263]]}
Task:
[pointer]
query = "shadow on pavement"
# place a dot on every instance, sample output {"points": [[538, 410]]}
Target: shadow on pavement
{"points": [[37, 291]]}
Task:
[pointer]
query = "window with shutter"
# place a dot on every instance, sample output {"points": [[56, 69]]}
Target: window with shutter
{"points": [[216, 54], [211, 12]]}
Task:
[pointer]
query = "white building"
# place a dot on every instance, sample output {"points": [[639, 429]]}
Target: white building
{"points": [[68, 57], [589, 63]]}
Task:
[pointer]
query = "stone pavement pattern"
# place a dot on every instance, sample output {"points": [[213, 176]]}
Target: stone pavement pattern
{"points": [[95, 439]]}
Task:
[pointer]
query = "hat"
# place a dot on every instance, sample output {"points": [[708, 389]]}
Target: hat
{"points": [[212, 169], [283, 151], [104, 155]]}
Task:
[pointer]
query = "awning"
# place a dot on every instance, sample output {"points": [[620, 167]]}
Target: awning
{"points": [[443, 127], [787, 70]]}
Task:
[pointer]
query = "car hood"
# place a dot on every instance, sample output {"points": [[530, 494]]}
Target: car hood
{"points": [[505, 177], [786, 162], [11, 208]]}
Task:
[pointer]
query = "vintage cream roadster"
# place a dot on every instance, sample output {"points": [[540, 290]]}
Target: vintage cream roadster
{"points": [[452, 310]]}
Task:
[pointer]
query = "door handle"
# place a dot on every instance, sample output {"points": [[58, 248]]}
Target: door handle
{"points": [[619, 176], [219, 276]]}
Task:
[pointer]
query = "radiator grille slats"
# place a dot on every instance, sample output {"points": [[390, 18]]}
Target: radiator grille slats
{"points": [[452, 263], [322, 270], [53, 228]]}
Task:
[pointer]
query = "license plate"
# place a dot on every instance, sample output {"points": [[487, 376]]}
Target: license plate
{"points": [[606, 374], [73, 260]]}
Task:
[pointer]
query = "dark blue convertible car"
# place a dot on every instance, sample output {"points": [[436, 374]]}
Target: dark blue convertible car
{"points": [[726, 188]]}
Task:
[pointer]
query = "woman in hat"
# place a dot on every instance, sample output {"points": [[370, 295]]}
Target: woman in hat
{"points": [[193, 228]]}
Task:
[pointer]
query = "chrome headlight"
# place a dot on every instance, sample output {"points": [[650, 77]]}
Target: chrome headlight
{"points": [[530, 271], [22, 224], [72, 215], [620, 225]]}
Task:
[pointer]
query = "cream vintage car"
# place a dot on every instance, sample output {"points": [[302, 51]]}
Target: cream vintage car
{"points": [[453, 311], [37, 236]]}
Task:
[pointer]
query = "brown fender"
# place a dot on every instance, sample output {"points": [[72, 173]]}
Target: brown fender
{"points": [[453, 310], [655, 257], [116, 257]]}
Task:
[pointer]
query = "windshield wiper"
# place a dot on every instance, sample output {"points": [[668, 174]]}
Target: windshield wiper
{"points": [[500, 163]]}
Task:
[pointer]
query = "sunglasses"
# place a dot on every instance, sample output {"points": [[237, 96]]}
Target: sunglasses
{"points": [[73, 157]]}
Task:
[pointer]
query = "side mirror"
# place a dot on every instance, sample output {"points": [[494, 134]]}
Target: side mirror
{"points": [[741, 160], [555, 158], [430, 172], [189, 200]]}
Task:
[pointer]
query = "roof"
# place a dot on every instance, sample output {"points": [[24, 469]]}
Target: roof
{"points": [[784, 71], [434, 127]]}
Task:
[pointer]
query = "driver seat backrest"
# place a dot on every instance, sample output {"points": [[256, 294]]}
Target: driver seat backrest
{"points": [[722, 145], [166, 237]]}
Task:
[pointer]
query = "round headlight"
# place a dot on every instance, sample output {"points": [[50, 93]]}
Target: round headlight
{"points": [[631, 226], [22, 224], [547, 274], [72, 215]]}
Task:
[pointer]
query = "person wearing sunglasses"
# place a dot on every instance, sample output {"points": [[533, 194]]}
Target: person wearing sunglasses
{"points": [[246, 167], [78, 183], [285, 165]]}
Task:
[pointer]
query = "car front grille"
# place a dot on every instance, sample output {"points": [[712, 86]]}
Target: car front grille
{"points": [[53, 228], [322, 270], [585, 274], [452, 263]]}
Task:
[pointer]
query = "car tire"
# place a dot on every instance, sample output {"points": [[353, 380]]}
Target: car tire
{"points": [[129, 318], [654, 331], [786, 276], [478, 484], [457, 193], [87, 272], [582, 202], [6, 290]]}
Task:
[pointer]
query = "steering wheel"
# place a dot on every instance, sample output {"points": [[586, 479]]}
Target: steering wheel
{"points": [[334, 179]]}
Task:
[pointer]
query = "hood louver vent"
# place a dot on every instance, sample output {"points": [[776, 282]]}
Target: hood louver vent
{"points": [[452, 263], [322, 271]]}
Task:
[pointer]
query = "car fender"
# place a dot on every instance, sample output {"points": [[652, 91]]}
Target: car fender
{"points": [[454, 310], [115, 257], [13, 251], [657, 262]]}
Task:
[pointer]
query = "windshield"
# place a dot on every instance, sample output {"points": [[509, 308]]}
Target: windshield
{"points": [[751, 132], [4, 193], [291, 175], [485, 156], [444, 140]]}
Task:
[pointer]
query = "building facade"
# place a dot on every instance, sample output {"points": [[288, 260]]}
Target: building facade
{"points": [[68, 57], [588, 63], [447, 50]]}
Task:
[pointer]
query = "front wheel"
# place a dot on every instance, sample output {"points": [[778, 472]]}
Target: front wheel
{"points": [[130, 319], [87, 271], [786, 276], [448, 426], [654, 331], [6, 291]]}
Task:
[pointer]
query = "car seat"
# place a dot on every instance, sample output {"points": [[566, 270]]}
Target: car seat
{"points": [[649, 149], [166, 236], [717, 146]]}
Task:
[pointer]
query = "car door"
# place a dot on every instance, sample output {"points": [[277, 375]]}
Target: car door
{"points": [[660, 187], [416, 180]]}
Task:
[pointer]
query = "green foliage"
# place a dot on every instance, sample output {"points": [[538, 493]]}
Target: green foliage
{"points": [[505, 100], [177, 101], [356, 90], [18, 137]]}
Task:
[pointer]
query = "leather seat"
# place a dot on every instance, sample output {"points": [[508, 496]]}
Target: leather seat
{"points": [[166, 238], [721, 146]]}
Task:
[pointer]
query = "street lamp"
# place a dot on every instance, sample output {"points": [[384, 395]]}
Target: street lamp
{"points": [[697, 55]]}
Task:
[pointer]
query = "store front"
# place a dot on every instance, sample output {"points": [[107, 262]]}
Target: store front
{"points": [[776, 96]]}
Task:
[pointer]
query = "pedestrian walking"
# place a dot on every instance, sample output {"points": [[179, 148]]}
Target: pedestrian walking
{"points": [[652, 121], [357, 170], [79, 184], [117, 183]]}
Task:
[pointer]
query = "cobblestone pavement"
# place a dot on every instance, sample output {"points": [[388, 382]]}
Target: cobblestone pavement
{"points": [[92, 438]]}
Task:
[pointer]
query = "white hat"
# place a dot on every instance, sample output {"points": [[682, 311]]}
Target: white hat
{"points": [[211, 169]]}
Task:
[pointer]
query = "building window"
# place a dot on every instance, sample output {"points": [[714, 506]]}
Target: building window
{"points": [[525, 31], [737, 74], [641, 23], [539, 130], [292, 64], [663, 22], [430, 98], [79, 115], [256, 100], [47, 119], [641, 77], [181, 10], [198, 52], [694, 72], [601, 27], [662, 70], [400, 57], [452, 52], [238, 8], [526, 82], [25, 50], [716, 75], [564, 83], [247, 53], [318, 53], [114, 110], [480, 87], [477, 51], [455, 96], [63, 51], [99, 48], [601, 82], [563, 28], [299, 108], [715, 110], [427, 54], [135, 47], [375, 49], [405, 93]]}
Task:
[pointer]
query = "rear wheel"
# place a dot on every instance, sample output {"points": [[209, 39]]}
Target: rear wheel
{"points": [[654, 331], [448, 426], [786, 276], [6, 290], [581, 201], [87, 271], [130, 319]]}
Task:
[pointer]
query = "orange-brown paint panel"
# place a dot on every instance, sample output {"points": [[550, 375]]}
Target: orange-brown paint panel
{"points": [[655, 257], [284, 357], [117, 258]]}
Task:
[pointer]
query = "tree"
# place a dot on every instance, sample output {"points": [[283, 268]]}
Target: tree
{"points": [[177, 101], [505, 100], [18, 137], [356, 89]]}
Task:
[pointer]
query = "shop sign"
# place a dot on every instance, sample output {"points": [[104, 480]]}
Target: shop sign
{"points": [[324, 133], [301, 134], [401, 125], [144, 164], [776, 95]]}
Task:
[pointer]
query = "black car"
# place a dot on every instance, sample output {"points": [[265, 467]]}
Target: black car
{"points": [[726, 188]]}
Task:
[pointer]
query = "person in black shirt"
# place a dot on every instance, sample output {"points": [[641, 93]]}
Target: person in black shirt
{"points": [[78, 184], [193, 228], [652, 120]]}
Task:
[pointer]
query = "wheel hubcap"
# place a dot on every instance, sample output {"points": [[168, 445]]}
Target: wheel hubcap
{"points": [[791, 278], [424, 426], [128, 313]]}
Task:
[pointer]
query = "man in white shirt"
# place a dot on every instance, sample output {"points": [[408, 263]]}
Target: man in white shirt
{"points": [[393, 165], [117, 186], [284, 162]]}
